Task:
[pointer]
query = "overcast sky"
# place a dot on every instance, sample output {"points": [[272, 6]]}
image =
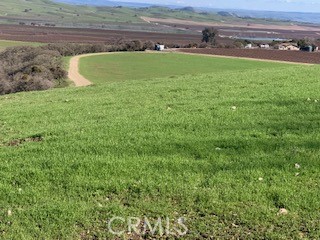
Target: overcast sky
{"points": [[273, 5]]}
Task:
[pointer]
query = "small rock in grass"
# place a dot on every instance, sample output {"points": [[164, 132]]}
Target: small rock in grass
{"points": [[316, 100], [235, 225], [260, 179], [297, 166], [309, 99], [9, 213], [283, 211], [234, 108], [169, 108], [297, 174], [218, 149]]}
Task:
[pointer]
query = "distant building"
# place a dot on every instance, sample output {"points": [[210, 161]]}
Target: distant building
{"points": [[287, 46], [159, 47], [293, 48], [280, 47], [265, 46]]}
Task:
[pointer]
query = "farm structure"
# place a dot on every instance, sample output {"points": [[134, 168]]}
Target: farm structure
{"points": [[265, 46], [160, 47], [287, 46]]}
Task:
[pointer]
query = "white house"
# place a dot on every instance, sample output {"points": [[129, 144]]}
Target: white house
{"points": [[265, 46], [287, 46]]}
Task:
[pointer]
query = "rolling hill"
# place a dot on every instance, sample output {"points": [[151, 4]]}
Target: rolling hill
{"points": [[226, 150], [61, 14]]}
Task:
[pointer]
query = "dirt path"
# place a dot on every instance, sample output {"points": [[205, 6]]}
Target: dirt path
{"points": [[74, 74]]}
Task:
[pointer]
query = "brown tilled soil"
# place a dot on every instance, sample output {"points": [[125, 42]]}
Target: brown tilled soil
{"points": [[50, 35], [274, 55]]}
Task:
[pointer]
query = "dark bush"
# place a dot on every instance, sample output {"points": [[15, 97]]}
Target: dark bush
{"points": [[239, 44], [5, 86], [149, 45], [203, 45], [191, 45], [29, 69]]}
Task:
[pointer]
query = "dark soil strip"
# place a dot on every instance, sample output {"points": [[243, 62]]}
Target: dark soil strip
{"points": [[275, 55]]}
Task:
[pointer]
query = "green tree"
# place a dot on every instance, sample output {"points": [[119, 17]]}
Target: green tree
{"points": [[209, 35], [305, 42]]}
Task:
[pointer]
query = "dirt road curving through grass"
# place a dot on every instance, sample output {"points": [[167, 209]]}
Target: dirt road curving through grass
{"points": [[74, 74], [80, 81]]}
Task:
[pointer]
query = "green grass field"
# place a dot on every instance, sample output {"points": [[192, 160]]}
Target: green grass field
{"points": [[218, 148], [4, 44], [128, 66]]}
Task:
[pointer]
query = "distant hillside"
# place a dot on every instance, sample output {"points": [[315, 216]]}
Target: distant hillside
{"points": [[268, 15], [104, 3], [60, 13], [50, 13]]}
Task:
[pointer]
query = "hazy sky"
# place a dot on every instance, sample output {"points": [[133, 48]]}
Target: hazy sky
{"points": [[274, 5]]}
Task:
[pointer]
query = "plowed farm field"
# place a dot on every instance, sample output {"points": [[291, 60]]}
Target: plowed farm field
{"points": [[275, 55], [50, 34]]}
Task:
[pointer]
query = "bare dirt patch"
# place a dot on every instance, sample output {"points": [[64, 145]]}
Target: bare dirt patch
{"points": [[19, 141]]}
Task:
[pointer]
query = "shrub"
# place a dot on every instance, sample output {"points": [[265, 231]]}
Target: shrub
{"points": [[209, 35], [29, 69], [238, 44], [149, 45], [203, 45]]}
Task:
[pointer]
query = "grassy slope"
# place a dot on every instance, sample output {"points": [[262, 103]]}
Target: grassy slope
{"points": [[128, 66], [48, 11], [5, 44], [58, 12], [150, 148]]}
